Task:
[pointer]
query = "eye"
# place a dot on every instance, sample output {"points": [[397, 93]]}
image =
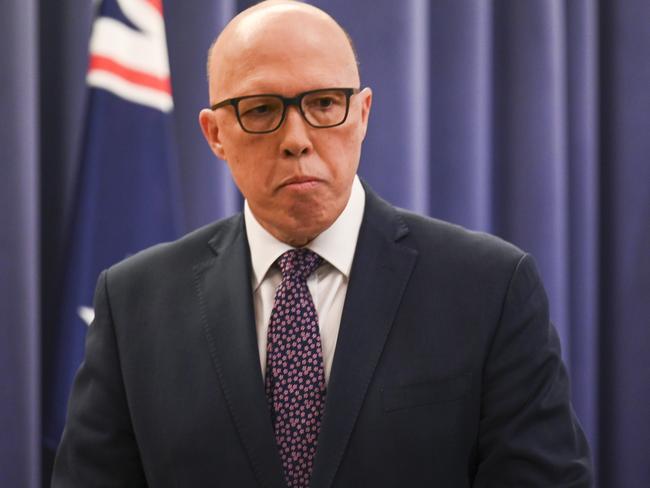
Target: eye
{"points": [[257, 110], [259, 107], [324, 102]]}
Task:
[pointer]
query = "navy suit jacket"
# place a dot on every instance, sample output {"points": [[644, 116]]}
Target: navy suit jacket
{"points": [[447, 371]]}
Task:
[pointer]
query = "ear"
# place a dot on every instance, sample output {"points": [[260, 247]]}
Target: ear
{"points": [[366, 103], [210, 129]]}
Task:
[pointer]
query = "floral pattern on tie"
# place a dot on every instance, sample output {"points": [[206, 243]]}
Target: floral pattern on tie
{"points": [[295, 379]]}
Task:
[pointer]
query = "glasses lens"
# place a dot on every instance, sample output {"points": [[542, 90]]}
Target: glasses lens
{"points": [[325, 108], [260, 114]]}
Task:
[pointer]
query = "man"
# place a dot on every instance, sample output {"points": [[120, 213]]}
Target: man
{"points": [[388, 350]]}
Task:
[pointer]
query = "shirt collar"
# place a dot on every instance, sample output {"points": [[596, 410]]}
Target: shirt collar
{"points": [[335, 244]]}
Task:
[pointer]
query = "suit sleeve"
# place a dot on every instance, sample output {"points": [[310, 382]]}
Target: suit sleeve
{"points": [[529, 435], [98, 447]]}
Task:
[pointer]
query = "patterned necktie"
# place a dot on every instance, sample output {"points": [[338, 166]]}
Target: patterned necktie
{"points": [[295, 380]]}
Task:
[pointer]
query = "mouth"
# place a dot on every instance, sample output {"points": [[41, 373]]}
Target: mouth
{"points": [[300, 183]]}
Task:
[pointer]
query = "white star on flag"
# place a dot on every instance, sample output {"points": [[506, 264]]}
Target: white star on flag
{"points": [[87, 314]]}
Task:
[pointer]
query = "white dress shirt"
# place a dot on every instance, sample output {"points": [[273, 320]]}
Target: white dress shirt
{"points": [[328, 284]]}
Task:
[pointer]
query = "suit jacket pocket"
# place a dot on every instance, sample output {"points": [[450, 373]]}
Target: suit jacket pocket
{"points": [[414, 395]]}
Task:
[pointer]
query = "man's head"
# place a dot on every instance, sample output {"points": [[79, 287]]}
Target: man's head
{"points": [[297, 179]]}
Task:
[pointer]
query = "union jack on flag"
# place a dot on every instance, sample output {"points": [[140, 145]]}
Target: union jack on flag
{"points": [[126, 193], [128, 53]]}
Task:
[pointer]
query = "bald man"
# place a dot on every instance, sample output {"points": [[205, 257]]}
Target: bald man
{"points": [[322, 337]]}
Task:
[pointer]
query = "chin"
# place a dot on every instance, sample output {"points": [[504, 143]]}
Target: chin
{"points": [[305, 229]]}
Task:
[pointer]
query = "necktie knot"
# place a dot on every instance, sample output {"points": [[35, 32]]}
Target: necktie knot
{"points": [[299, 262]]}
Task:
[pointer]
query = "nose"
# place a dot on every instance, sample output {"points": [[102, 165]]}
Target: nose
{"points": [[295, 135]]}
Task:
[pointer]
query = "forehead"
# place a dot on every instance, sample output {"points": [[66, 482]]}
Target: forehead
{"points": [[284, 50]]}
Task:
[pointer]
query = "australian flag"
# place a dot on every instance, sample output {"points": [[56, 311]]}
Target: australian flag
{"points": [[127, 196]]}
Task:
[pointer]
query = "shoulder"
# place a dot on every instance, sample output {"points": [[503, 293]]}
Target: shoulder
{"points": [[433, 235], [176, 258], [476, 262], [442, 246]]}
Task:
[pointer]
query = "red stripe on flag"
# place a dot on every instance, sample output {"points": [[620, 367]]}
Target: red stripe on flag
{"points": [[102, 63], [157, 4]]}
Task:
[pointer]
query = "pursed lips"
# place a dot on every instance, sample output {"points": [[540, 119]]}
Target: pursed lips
{"points": [[300, 182]]}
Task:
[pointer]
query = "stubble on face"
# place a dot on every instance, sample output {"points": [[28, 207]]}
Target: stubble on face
{"points": [[298, 179]]}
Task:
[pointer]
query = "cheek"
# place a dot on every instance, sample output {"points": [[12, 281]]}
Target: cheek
{"points": [[343, 157], [251, 172], [342, 146], [240, 169]]}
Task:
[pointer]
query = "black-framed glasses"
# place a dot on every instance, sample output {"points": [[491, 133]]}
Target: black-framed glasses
{"points": [[264, 113]]}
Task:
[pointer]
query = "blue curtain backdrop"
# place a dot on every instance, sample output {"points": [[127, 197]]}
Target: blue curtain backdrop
{"points": [[529, 119], [20, 276]]}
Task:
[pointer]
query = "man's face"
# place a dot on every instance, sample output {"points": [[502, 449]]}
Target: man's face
{"points": [[298, 179]]}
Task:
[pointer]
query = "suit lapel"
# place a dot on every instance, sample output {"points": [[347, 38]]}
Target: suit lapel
{"points": [[224, 288], [380, 272]]}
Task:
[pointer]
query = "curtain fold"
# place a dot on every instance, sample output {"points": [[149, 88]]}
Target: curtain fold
{"points": [[62, 54], [583, 204], [624, 285], [205, 181], [461, 40], [19, 252]]}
